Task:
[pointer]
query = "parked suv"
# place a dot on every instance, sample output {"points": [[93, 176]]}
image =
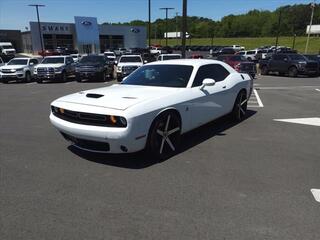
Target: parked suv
{"points": [[93, 67], [291, 64], [163, 57], [127, 64], [18, 69], [55, 68]]}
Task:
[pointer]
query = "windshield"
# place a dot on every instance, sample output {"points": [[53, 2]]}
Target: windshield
{"points": [[297, 57], [53, 60], [171, 57], [130, 59], [160, 76], [6, 47], [109, 54], [313, 57], [92, 59], [18, 62]]}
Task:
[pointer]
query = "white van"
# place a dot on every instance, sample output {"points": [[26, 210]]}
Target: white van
{"points": [[6, 48]]}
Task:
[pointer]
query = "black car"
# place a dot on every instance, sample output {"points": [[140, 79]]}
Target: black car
{"points": [[96, 67], [289, 63], [224, 51]]}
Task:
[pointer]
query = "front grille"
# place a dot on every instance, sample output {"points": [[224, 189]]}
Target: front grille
{"points": [[129, 68], [87, 144], [86, 69], [6, 70], [313, 66], [48, 70], [86, 118]]}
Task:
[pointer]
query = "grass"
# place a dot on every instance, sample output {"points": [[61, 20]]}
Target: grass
{"points": [[251, 43]]}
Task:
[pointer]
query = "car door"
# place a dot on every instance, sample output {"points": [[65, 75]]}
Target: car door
{"points": [[277, 63], [209, 102]]}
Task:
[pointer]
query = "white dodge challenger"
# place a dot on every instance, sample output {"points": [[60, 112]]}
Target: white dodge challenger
{"points": [[152, 107]]}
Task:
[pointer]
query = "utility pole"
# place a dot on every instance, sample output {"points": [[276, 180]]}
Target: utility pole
{"points": [[279, 23], [149, 23], [311, 19], [184, 27], [166, 8], [40, 34], [177, 27], [294, 41]]}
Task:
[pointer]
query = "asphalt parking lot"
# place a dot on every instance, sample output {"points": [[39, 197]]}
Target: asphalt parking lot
{"points": [[250, 180]]}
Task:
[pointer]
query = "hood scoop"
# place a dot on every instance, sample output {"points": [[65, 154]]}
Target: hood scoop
{"points": [[94, 95], [129, 97]]}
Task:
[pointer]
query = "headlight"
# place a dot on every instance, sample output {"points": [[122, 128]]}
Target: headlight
{"points": [[19, 69], [58, 69], [117, 121]]}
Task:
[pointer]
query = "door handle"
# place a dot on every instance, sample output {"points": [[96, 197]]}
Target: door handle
{"points": [[224, 86]]}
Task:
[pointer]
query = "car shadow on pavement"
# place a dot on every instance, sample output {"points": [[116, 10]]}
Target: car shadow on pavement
{"points": [[142, 160]]}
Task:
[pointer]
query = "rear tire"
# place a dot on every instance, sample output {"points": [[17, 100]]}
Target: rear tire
{"points": [[240, 107], [164, 136], [293, 72]]}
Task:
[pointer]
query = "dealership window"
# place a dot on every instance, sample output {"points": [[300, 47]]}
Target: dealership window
{"points": [[111, 42], [64, 40], [48, 41]]}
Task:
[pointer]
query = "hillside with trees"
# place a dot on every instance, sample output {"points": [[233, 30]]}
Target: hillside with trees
{"points": [[255, 23]]}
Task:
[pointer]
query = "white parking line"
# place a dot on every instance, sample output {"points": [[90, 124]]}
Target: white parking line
{"points": [[316, 194], [258, 98], [31, 83], [288, 87], [68, 83]]}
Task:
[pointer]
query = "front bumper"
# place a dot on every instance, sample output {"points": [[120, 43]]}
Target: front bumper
{"points": [[88, 74], [12, 76], [48, 76], [83, 136]]}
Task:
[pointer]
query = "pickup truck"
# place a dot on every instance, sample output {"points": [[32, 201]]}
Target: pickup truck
{"points": [[94, 67], [18, 69], [127, 64], [55, 68], [291, 64]]}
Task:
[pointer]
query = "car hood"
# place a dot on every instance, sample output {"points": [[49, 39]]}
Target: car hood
{"points": [[118, 96], [89, 64], [13, 66], [130, 64], [54, 65]]}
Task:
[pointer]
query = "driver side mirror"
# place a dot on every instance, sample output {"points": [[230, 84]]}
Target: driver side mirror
{"points": [[208, 82]]}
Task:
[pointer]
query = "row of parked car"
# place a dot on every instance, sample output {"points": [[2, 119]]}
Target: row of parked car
{"points": [[60, 68]]}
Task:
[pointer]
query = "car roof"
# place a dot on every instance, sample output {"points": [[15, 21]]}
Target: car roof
{"points": [[192, 62], [170, 54], [56, 56], [131, 55], [22, 58]]}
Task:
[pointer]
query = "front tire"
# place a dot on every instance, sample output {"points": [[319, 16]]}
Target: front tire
{"points": [[293, 72], [165, 135], [27, 77], [240, 107], [63, 77]]}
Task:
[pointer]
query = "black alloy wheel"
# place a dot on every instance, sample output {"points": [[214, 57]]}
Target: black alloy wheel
{"points": [[240, 107], [165, 135], [293, 72]]}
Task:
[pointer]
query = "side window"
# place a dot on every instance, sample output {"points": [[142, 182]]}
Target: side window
{"points": [[214, 71], [69, 60], [278, 57]]}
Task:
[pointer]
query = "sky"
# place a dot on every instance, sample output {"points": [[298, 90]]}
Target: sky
{"points": [[16, 14]]}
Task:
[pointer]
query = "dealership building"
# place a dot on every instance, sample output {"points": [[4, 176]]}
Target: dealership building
{"points": [[84, 35]]}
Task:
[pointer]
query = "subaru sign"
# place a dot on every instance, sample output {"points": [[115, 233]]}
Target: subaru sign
{"points": [[86, 23]]}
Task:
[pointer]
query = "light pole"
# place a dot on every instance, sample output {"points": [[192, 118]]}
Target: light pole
{"points": [[166, 8], [149, 23], [40, 34], [309, 30], [184, 27], [279, 23], [177, 28]]}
